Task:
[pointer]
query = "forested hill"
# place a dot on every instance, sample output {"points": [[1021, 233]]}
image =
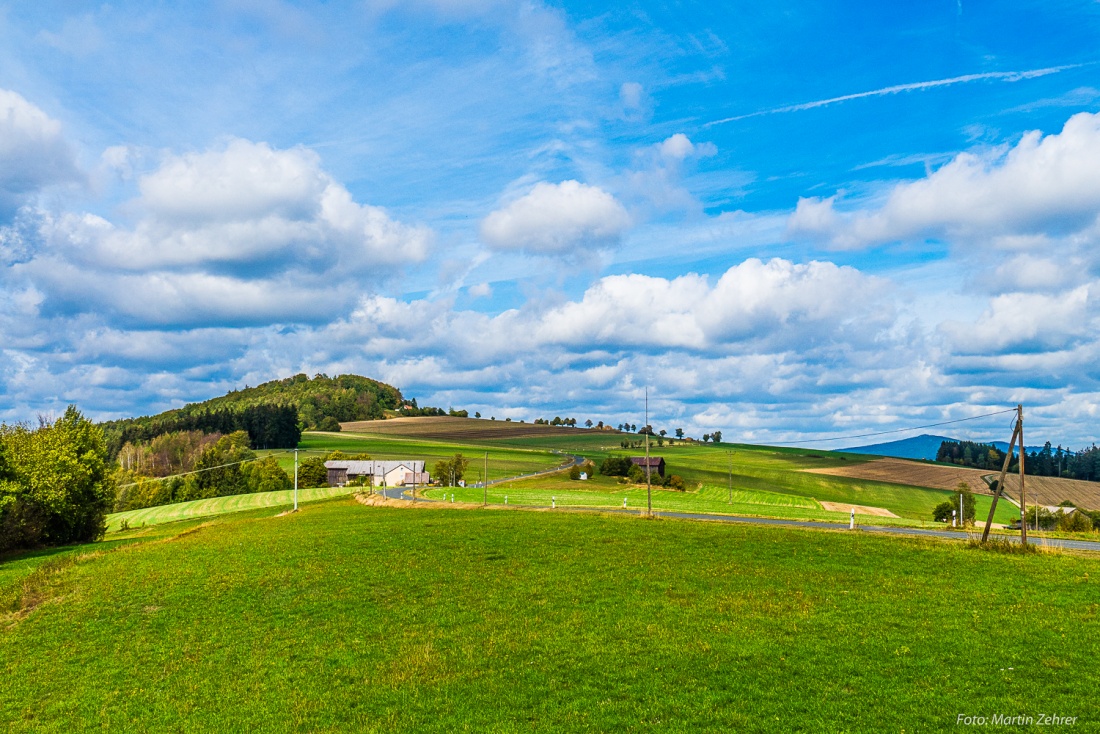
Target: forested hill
{"points": [[274, 413]]}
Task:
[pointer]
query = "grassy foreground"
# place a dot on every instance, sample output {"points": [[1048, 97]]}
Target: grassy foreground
{"points": [[348, 618]]}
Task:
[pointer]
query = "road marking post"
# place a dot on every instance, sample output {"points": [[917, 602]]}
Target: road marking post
{"points": [[505, 499], [852, 520], [624, 503], [553, 503], [953, 519]]}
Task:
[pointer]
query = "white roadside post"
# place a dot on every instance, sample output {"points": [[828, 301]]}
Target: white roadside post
{"points": [[624, 503], [553, 503], [852, 520], [962, 513], [953, 519], [295, 480]]}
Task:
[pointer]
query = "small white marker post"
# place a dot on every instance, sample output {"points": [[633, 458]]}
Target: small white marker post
{"points": [[505, 499], [553, 503], [953, 519], [295, 480], [452, 498], [624, 503], [852, 520]]}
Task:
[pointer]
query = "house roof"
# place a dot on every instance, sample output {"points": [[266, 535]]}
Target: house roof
{"points": [[641, 460], [361, 468]]}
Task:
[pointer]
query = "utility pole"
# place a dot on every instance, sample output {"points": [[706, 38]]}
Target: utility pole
{"points": [[648, 487], [1017, 433], [485, 482], [730, 500], [295, 480], [1023, 494]]}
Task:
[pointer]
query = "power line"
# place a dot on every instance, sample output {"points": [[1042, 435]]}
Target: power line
{"points": [[200, 471], [895, 430]]}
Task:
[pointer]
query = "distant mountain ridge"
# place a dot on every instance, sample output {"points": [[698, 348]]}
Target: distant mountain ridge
{"points": [[922, 447]]}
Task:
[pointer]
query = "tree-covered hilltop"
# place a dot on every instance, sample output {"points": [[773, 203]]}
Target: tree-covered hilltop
{"points": [[273, 414]]}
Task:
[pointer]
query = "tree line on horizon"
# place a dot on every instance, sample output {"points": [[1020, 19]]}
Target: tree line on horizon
{"points": [[1083, 464]]}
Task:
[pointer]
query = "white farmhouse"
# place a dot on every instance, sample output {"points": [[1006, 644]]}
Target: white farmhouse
{"points": [[397, 473]]}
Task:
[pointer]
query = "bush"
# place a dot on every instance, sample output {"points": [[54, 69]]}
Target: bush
{"points": [[329, 423], [1075, 522], [575, 473], [312, 472], [942, 511], [616, 466], [675, 481], [636, 474], [55, 487]]}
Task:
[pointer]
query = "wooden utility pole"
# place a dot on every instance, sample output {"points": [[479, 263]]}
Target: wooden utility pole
{"points": [[1023, 496], [485, 482], [1017, 434]]}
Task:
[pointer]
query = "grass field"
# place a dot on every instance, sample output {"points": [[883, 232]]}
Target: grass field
{"points": [[219, 506], [607, 492], [523, 449], [348, 618]]}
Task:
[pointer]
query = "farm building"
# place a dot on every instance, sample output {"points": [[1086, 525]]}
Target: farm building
{"points": [[388, 473], [656, 464]]}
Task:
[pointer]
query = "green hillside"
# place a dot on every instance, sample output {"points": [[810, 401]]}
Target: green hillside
{"points": [[350, 618]]}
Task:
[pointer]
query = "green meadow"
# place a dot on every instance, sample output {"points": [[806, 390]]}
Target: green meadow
{"points": [[343, 617]]}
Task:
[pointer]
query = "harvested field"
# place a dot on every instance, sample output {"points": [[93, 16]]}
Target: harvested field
{"points": [[447, 428], [913, 473], [1052, 490], [1044, 490], [860, 509]]}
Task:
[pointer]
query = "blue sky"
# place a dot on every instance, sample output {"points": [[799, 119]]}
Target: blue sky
{"points": [[791, 220]]}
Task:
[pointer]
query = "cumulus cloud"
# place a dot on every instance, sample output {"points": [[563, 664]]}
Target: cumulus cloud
{"points": [[557, 219], [776, 302], [1026, 322], [33, 153], [1041, 185], [243, 234], [246, 204]]}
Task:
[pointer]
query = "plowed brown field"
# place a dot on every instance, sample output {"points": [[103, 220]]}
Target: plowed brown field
{"points": [[1044, 490], [448, 428]]}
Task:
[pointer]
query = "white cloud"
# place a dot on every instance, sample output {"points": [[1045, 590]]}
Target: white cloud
{"points": [[1042, 185], [33, 152], [480, 290], [754, 305], [247, 204], [1026, 322], [557, 219], [678, 147], [243, 234]]}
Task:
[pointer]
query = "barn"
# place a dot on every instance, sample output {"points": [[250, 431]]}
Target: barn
{"points": [[656, 464]]}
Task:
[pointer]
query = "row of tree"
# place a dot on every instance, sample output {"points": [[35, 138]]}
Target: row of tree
{"points": [[1046, 462], [217, 466], [267, 425]]}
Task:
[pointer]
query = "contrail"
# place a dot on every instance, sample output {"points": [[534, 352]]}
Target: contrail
{"points": [[1007, 76]]}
